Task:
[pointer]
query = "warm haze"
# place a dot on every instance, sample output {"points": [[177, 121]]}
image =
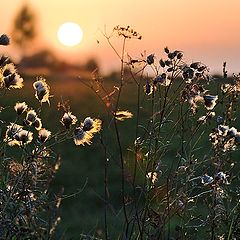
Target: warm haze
{"points": [[208, 31]]}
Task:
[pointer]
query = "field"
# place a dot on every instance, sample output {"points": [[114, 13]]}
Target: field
{"points": [[163, 165]]}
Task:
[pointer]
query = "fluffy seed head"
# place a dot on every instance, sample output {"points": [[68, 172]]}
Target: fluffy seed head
{"points": [[4, 40], [122, 115], [42, 90], [91, 125], [44, 135], [20, 107], [68, 119], [31, 116], [82, 137], [37, 123], [24, 137]]}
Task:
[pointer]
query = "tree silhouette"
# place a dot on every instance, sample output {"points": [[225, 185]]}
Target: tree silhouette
{"points": [[24, 28]]}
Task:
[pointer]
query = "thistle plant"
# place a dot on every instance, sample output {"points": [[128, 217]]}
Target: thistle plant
{"points": [[28, 162], [179, 177]]}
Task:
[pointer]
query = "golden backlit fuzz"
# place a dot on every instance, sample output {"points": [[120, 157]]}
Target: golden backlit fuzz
{"points": [[92, 125], [9, 78], [16, 135], [82, 137], [44, 135], [20, 107], [122, 115], [42, 90], [85, 132], [68, 119], [31, 116], [152, 176]]}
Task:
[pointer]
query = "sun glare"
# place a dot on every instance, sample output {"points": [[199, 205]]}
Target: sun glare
{"points": [[70, 34]]}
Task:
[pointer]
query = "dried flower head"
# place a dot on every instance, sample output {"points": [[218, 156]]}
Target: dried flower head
{"points": [[152, 176], [91, 125], [232, 132], [9, 78], [206, 179], [210, 101], [68, 119], [37, 123], [222, 177], [20, 107], [11, 132], [31, 116], [150, 59], [82, 137], [42, 90], [223, 130], [127, 32], [122, 115], [148, 88], [4, 40], [44, 135], [24, 137]]}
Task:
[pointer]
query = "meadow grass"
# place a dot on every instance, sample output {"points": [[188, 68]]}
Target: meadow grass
{"points": [[163, 166]]}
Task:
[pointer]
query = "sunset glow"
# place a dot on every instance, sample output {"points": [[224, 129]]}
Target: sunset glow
{"points": [[204, 30], [70, 34]]}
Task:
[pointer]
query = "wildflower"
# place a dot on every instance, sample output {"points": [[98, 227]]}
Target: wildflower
{"points": [[221, 176], [172, 55], [205, 179], [223, 130], [160, 79], [82, 137], [24, 137], [187, 73], [232, 132], [11, 132], [127, 32], [210, 101], [42, 90], [10, 78], [166, 50], [37, 123], [150, 59], [122, 115], [229, 145], [179, 55], [195, 65], [148, 88], [4, 60], [92, 125], [4, 40], [162, 63], [20, 107], [44, 135], [68, 119], [152, 176], [31, 117]]}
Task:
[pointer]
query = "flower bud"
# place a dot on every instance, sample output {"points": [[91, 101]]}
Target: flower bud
{"points": [[4, 40]]}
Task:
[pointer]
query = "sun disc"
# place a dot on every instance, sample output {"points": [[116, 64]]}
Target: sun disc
{"points": [[70, 34]]}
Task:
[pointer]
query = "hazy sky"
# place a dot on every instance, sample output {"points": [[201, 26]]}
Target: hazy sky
{"points": [[206, 30]]}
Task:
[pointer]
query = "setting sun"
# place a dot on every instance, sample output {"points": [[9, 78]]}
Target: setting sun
{"points": [[70, 34]]}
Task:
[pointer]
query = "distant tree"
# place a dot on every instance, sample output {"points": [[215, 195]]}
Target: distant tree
{"points": [[24, 28]]}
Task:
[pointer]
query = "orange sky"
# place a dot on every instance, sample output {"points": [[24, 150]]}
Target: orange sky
{"points": [[206, 30]]}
